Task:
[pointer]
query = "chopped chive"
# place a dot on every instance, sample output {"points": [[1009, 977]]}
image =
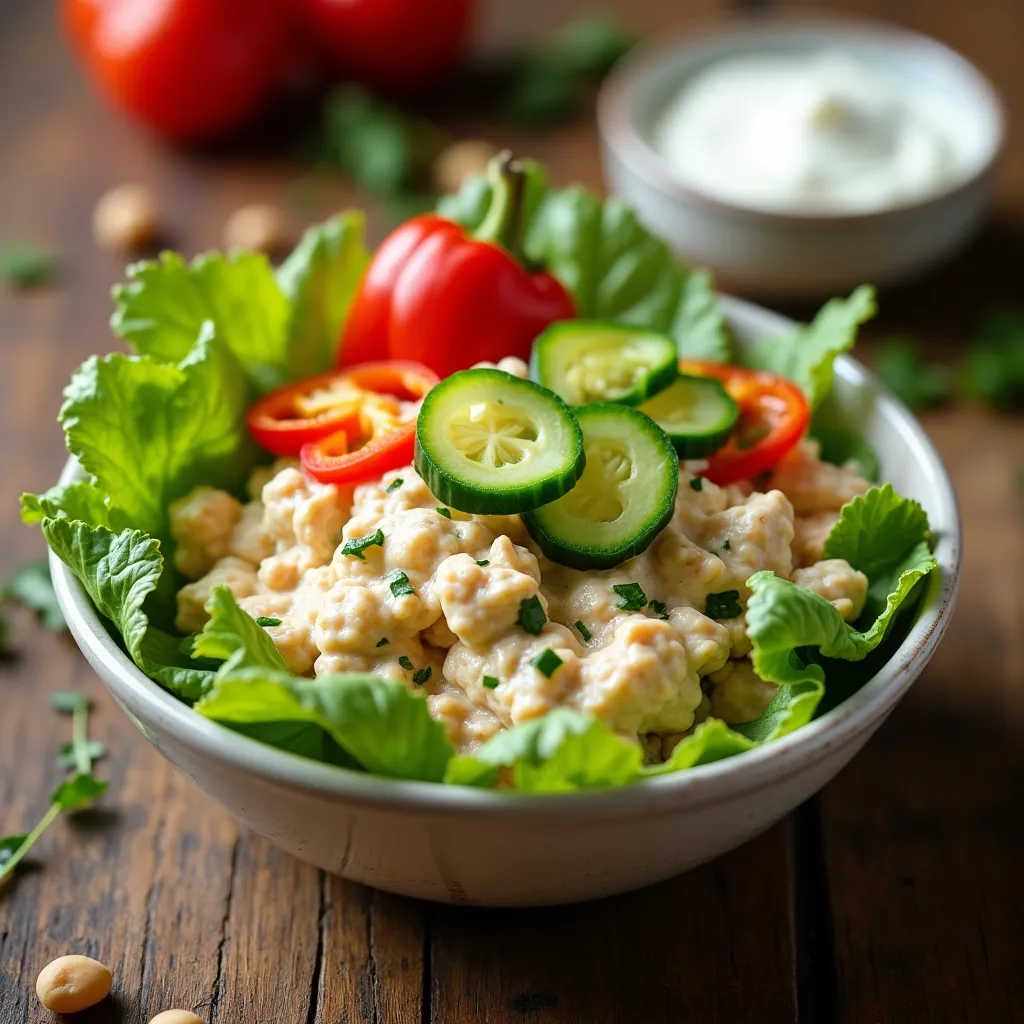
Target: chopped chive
{"points": [[547, 662], [727, 546], [633, 596], [266, 620], [394, 485], [531, 615], [581, 628], [355, 546], [491, 683], [421, 675], [660, 609], [399, 582], [725, 605], [483, 561], [697, 483], [442, 511], [383, 642], [405, 662]]}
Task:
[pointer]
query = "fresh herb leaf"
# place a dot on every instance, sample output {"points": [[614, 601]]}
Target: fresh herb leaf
{"points": [[725, 605], [32, 586], [399, 583], [547, 662], [69, 754], [421, 675], [993, 370], [77, 792], [697, 483], [355, 546], [581, 628], [660, 609], [633, 597], [266, 620], [727, 545], [919, 385], [25, 266], [405, 662], [444, 512], [491, 683], [394, 485], [69, 701], [531, 615], [483, 561], [9, 845], [383, 642]]}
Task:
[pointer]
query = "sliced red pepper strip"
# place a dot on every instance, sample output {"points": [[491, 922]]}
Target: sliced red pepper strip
{"points": [[774, 415]]}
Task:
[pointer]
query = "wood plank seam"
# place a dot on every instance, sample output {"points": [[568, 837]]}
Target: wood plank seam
{"points": [[218, 978]]}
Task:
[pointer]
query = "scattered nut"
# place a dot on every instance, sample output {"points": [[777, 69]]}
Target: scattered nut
{"points": [[460, 160], [125, 218], [177, 1017], [72, 983], [259, 227]]}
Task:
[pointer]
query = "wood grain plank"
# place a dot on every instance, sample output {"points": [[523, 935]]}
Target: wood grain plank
{"points": [[711, 945]]}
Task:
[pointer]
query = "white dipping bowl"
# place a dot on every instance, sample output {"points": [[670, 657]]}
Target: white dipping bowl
{"points": [[797, 254], [464, 845]]}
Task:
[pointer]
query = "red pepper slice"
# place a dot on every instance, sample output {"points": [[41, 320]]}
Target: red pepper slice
{"points": [[773, 417], [384, 438], [449, 299]]}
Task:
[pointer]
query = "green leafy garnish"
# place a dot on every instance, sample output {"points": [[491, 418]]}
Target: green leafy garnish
{"points": [[727, 545], [421, 675], [355, 546], [266, 620], [531, 615], [919, 385], [491, 683], [444, 512], [32, 586], [25, 266], [660, 609], [806, 355], [581, 628], [993, 370], [399, 583], [483, 561], [235, 637], [697, 483], [725, 605], [405, 662], [633, 597], [547, 662], [394, 485], [383, 642]]}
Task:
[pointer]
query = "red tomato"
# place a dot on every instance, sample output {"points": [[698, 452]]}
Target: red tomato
{"points": [[191, 69], [773, 416], [391, 44]]}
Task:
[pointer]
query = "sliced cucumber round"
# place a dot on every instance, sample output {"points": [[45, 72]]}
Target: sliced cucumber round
{"points": [[492, 444], [594, 361], [625, 497], [697, 414]]}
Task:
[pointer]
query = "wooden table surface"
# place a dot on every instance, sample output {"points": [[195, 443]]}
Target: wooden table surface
{"points": [[895, 896]]}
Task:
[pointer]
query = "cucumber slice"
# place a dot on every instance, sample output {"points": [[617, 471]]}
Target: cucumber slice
{"points": [[588, 361], [624, 498], [697, 414], [492, 444]]}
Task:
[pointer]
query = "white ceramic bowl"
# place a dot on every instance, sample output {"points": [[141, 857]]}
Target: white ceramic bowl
{"points": [[768, 253], [492, 848]]}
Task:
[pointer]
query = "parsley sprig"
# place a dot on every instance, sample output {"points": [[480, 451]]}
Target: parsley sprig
{"points": [[531, 615], [355, 546]]}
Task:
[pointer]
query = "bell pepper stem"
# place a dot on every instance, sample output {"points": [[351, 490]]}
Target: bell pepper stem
{"points": [[503, 223]]}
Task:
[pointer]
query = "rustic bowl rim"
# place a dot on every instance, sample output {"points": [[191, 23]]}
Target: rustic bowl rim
{"points": [[621, 133], [763, 767]]}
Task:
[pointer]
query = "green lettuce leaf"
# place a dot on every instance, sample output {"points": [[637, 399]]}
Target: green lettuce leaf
{"points": [[119, 571], [81, 500], [148, 432], [559, 753], [381, 725], [806, 355], [319, 280], [614, 268], [840, 446], [712, 740], [232, 636]]}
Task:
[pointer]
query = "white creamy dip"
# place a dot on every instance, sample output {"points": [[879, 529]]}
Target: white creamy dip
{"points": [[822, 133]]}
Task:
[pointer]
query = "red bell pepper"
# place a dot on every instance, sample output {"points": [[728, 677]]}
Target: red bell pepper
{"points": [[442, 296]]}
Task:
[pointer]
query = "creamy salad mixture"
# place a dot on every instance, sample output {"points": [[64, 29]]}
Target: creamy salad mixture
{"points": [[456, 629]]}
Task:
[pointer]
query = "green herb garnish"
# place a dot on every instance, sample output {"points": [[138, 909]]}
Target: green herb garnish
{"points": [[421, 675], [355, 546], [727, 546], [399, 583], [267, 620], [725, 605], [394, 485], [547, 662], [491, 683], [25, 266], [697, 483], [531, 615], [581, 628], [405, 663], [444, 512], [383, 642], [660, 609], [633, 596], [483, 561]]}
